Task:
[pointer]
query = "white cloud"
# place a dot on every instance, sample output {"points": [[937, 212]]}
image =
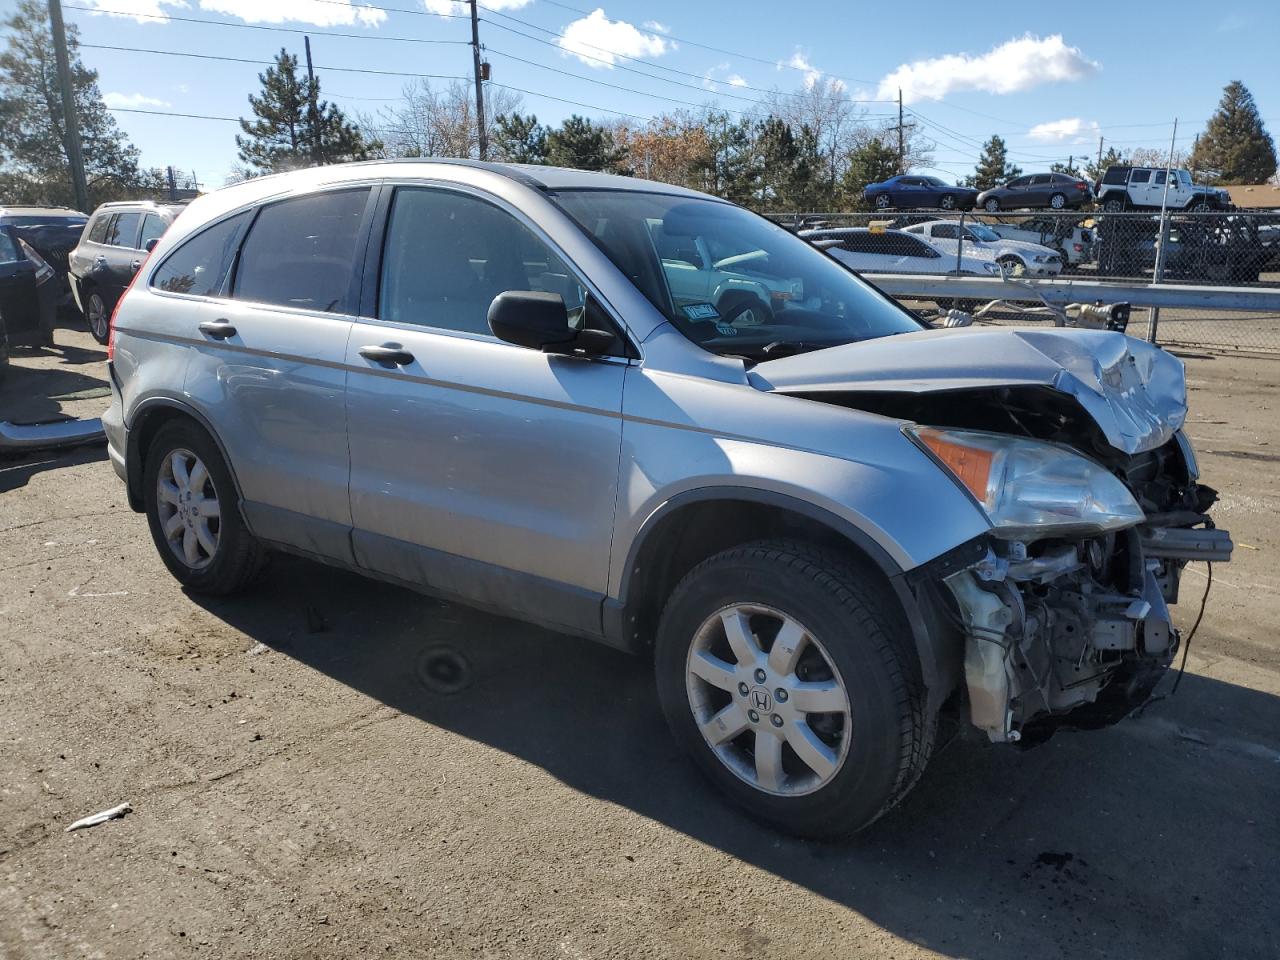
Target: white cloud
{"points": [[445, 7], [711, 78], [736, 81], [656, 26], [132, 100], [298, 11], [595, 40], [800, 62], [1015, 65], [1069, 128], [143, 11]]}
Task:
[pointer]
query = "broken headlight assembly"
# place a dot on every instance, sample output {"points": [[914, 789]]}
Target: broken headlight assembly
{"points": [[1030, 489]]}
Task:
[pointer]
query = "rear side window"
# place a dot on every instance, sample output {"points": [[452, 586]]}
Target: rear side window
{"points": [[301, 252], [152, 229], [201, 264], [1140, 176], [8, 250], [98, 232], [124, 230], [1040, 179], [1116, 175]]}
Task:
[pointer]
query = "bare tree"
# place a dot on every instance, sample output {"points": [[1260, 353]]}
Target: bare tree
{"points": [[429, 122]]}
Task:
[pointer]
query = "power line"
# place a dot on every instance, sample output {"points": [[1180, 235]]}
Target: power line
{"points": [[256, 26]]}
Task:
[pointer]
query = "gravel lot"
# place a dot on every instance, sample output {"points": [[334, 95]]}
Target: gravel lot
{"points": [[308, 781]]}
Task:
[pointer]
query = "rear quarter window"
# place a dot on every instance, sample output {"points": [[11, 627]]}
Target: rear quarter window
{"points": [[200, 264], [98, 232]]}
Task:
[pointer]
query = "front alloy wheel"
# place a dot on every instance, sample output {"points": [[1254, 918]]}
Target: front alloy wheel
{"points": [[768, 699], [883, 201], [98, 317]]}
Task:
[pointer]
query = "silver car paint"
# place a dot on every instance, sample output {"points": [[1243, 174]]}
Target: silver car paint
{"points": [[1135, 391]]}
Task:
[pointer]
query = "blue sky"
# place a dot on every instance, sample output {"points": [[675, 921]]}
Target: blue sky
{"points": [[1050, 78]]}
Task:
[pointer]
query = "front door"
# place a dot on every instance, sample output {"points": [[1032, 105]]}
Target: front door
{"points": [[482, 469]]}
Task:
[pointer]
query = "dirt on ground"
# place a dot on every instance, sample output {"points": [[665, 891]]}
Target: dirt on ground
{"points": [[331, 767]]}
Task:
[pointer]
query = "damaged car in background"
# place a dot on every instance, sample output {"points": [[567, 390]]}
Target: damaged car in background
{"points": [[635, 413]]}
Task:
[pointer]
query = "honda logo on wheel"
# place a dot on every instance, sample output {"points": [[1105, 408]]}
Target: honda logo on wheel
{"points": [[761, 700]]}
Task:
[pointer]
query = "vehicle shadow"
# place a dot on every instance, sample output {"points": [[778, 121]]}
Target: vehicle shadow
{"points": [[1155, 838], [38, 394], [17, 471]]}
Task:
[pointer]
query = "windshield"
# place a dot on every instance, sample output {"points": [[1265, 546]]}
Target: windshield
{"points": [[983, 233], [731, 281]]}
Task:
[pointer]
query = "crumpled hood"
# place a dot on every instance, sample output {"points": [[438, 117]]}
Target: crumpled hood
{"points": [[1134, 391]]}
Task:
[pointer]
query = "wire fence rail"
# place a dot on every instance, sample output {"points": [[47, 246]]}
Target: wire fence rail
{"points": [[1204, 255]]}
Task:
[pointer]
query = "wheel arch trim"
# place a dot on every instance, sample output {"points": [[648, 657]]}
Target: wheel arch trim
{"points": [[141, 413]]}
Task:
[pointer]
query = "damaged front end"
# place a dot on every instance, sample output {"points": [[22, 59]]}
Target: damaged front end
{"points": [[1071, 444]]}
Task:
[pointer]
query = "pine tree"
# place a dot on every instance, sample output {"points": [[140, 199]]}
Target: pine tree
{"points": [[584, 145], [993, 167], [33, 158], [294, 127], [1235, 146], [1094, 169], [870, 163], [519, 139]]}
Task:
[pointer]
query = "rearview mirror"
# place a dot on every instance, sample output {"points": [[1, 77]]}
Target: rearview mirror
{"points": [[540, 321]]}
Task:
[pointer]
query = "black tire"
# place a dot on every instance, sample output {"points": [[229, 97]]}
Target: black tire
{"points": [[239, 556], [1062, 201], [856, 619], [97, 316], [1114, 204], [883, 201], [947, 202], [991, 204], [1012, 265]]}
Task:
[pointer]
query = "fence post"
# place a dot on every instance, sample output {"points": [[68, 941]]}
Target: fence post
{"points": [[960, 243]]}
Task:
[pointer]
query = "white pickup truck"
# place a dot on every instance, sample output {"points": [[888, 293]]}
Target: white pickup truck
{"points": [[1124, 187]]}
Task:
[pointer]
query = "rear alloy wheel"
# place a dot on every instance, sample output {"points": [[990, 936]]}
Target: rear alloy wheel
{"points": [[948, 202], [992, 205], [98, 317], [1113, 204], [193, 513], [795, 690], [1058, 201]]}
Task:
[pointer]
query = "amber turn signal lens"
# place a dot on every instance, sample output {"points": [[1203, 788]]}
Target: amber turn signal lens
{"points": [[971, 465]]}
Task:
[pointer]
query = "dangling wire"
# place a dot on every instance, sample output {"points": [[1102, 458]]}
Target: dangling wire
{"points": [[1199, 616]]}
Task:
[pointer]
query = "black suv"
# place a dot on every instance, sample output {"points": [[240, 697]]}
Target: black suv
{"points": [[117, 240]]}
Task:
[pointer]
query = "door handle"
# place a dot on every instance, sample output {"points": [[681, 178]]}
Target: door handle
{"points": [[136, 265], [217, 329], [388, 354]]}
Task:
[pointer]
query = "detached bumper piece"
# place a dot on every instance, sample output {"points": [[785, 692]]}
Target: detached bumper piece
{"points": [[21, 437]]}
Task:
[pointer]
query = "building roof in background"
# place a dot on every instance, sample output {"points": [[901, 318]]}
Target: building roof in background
{"points": [[1265, 195]]}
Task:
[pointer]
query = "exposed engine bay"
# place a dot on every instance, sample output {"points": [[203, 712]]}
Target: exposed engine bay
{"points": [[1059, 629]]}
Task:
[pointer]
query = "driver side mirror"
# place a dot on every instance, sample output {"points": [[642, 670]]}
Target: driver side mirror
{"points": [[540, 321], [151, 244]]}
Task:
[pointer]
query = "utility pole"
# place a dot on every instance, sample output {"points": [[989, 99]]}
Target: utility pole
{"points": [[1158, 275], [482, 136], [1099, 151], [173, 185], [71, 123], [901, 147], [312, 112]]}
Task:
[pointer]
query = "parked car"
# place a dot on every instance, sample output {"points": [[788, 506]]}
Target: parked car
{"points": [[115, 243], [28, 291], [980, 241], [1070, 237], [52, 232], [1125, 187], [1057, 191], [914, 190], [823, 525], [1224, 249]]}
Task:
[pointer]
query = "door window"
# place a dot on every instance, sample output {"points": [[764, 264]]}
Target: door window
{"points": [[98, 232], [1018, 184], [447, 255], [1040, 180], [1140, 176], [152, 229], [124, 230], [946, 231], [200, 265], [8, 250], [301, 252]]}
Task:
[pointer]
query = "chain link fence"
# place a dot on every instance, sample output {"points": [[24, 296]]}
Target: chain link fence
{"points": [[1234, 248]]}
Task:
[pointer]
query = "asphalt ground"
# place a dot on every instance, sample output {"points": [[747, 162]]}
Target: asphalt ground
{"points": [[331, 767]]}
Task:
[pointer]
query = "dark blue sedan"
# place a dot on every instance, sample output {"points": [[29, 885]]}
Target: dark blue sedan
{"points": [[912, 190]]}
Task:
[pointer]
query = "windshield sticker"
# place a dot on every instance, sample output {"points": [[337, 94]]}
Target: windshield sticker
{"points": [[727, 329], [700, 311]]}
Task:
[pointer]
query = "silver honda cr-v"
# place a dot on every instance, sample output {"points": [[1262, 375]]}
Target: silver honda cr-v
{"points": [[643, 415]]}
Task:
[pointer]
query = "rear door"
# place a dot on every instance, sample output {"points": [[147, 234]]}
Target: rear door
{"points": [[18, 303], [1140, 187], [120, 259], [486, 470], [1039, 189], [268, 365]]}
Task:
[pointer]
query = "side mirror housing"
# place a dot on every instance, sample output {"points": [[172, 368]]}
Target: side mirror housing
{"points": [[151, 244], [540, 321]]}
